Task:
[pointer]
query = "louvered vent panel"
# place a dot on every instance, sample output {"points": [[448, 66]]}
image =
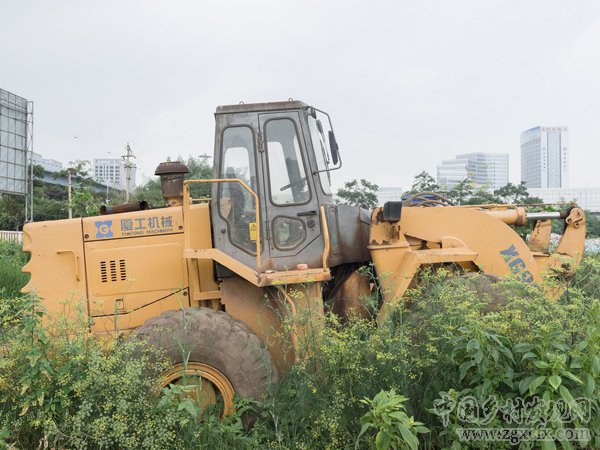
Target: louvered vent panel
{"points": [[113, 270], [103, 274], [122, 270]]}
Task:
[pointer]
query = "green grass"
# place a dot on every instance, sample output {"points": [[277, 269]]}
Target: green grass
{"points": [[12, 260]]}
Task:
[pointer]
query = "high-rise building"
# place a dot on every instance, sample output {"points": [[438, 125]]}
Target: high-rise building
{"points": [[111, 172], [544, 157], [488, 170], [389, 194]]}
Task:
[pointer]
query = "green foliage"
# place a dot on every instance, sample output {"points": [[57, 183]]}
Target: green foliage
{"points": [[466, 193], [592, 225], [529, 349], [199, 168], [423, 182], [461, 192], [359, 193], [512, 194], [62, 388], [150, 191], [387, 416], [11, 278], [482, 197], [318, 404], [50, 201], [12, 212]]}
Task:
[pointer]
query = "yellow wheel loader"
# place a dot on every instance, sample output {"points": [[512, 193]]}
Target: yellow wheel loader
{"points": [[216, 280]]}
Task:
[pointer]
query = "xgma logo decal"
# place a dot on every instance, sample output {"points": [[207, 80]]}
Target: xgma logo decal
{"points": [[104, 230], [516, 264]]}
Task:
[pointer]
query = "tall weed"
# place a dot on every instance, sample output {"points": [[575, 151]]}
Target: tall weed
{"points": [[61, 387], [446, 343], [12, 260]]}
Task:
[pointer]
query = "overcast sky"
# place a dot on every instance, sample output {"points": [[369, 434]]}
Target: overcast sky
{"points": [[407, 84]]}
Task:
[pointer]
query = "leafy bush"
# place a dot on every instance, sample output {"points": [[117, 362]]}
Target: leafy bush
{"points": [[387, 415], [12, 260], [63, 388], [448, 344], [318, 404]]}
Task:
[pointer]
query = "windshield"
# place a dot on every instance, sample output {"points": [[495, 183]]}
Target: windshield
{"points": [[319, 127]]}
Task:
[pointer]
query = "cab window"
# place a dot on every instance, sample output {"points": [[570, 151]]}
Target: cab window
{"points": [[236, 204], [287, 175]]}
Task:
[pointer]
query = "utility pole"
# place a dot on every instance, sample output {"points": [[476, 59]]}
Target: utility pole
{"points": [[128, 166], [69, 194], [29, 195]]}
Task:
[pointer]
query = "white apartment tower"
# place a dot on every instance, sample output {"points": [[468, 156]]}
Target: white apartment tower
{"points": [[544, 157], [487, 170], [111, 172]]}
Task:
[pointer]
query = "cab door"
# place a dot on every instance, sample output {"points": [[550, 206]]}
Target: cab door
{"points": [[233, 208], [293, 223]]}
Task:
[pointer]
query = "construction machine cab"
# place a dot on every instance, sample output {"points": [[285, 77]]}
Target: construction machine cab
{"points": [[283, 152]]}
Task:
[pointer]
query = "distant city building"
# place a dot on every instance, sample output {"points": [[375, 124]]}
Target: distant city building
{"points": [[49, 165], [452, 171], [388, 194], [587, 198], [111, 172], [488, 170], [544, 157]]}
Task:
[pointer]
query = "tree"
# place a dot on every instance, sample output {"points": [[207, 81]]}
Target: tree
{"points": [[359, 193], [86, 197], [461, 192], [513, 194], [150, 191], [592, 225], [533, 200], [482, 197], [12, 211], [424, 182], [199, 169], [49, 203]]}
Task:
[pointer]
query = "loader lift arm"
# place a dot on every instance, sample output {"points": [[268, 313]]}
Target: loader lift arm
{"points": [[476, 238]]}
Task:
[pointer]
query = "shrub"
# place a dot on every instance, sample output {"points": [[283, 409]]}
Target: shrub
{"points": [[446, 347], [11, 278], [63, 388], [387, 416]]}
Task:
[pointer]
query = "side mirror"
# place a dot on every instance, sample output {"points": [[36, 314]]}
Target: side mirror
{"points": [[334, 148]]}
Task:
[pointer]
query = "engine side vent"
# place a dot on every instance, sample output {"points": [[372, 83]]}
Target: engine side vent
{"points": [[103, 274], [122, 270], [114, 269]]}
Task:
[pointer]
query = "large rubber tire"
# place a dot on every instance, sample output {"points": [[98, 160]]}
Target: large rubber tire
{"points": [[215, 339]]}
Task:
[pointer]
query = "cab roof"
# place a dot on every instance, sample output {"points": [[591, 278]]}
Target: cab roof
{"points": [[260, 107]]}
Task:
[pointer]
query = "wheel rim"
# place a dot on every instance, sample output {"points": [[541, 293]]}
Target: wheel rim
{"points": [[203, 383]]}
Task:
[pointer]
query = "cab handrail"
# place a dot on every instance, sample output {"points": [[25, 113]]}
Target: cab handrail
{"points": [[188, 200]]}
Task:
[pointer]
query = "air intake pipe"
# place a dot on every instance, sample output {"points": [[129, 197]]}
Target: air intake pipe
{"points": [[171, 175], [125, 207]]}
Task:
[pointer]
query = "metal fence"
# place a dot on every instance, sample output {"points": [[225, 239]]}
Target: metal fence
{"points": [[11, 236]]}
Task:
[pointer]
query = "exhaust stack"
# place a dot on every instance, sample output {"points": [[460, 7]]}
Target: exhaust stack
{"points": [[171, 179]]}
